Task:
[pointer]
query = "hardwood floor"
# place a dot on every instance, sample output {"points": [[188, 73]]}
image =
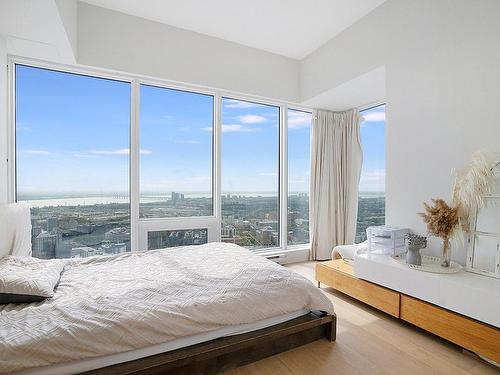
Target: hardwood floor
{"points": [[368, 342]]}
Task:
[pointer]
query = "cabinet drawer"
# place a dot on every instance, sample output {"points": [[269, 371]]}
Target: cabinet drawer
{"points": [[470, 334], [379, 297]]}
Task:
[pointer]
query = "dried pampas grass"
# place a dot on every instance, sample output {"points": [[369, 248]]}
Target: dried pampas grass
{"points": [[472, 182], [441, 219]]}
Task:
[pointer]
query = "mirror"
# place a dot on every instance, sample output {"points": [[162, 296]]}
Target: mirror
{"points": [[483, 255]]}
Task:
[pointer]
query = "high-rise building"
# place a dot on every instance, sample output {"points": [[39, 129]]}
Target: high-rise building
{"points": [[52, 223], [44, 245], [35, 231]]}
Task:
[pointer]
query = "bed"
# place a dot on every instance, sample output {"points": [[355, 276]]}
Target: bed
{"points": [[193, 309]]}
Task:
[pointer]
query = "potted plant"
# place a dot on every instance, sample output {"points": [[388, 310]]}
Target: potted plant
{"points": [[442, 221]]}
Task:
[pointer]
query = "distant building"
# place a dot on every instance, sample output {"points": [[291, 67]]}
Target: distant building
{"points": [[273, 224], [82, 252], [52, 223], [176, 197], [228, 231], [121, 234], [44, 245], [265, 236], [113, 248], [35, 231]]}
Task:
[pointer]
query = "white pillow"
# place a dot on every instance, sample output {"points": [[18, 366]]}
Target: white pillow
{"points": [[19, 216], [15, 230], [6, 232], [26, 279]]}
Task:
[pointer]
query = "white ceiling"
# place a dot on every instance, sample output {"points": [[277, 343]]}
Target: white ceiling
{"points": [[292, 28], [366, 89]]}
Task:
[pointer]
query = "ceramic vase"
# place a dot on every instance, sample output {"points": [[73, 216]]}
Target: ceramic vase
{"points": [[413, 256]]}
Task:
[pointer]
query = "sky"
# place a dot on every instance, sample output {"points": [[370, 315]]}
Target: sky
{"points": [[73, 137], [373, 143], [72, 133]]}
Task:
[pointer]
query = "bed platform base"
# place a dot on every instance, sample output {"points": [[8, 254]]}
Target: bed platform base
{"points": [[225, 353]]}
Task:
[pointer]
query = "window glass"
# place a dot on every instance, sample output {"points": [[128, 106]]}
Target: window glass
{"points": [[371, 200], [250, 175], [182, 237], [176, 153], [299, 165], [72, 159]]}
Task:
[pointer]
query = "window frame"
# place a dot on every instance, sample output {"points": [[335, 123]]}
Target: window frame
{"points": [[140, 226], [282, 225], [214, 151]]}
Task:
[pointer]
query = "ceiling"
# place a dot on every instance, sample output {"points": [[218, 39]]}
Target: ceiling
{"points": [[366, 89], [292, 28]]}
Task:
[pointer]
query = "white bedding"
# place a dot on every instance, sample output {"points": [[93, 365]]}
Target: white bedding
{"points": [[107, 305]]}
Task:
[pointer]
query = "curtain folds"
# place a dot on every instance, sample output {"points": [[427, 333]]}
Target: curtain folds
{"points": [[336, 160]]}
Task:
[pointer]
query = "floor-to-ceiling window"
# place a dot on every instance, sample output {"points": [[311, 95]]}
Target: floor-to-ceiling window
{"points": [[250, 174], [111, 164], [371, 199], [299, 165], [176, 132], [72, 159]]}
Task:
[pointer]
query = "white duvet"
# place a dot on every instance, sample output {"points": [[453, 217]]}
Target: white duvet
{"points": [[107, 305]]}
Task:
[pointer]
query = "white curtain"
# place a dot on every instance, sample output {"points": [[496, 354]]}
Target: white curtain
{"points": [[336, 160]]}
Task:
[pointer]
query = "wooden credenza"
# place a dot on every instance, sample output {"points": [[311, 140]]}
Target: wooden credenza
{"points": [[478, 337]]}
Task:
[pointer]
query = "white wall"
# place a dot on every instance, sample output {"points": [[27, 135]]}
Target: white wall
{"points": [[39, 29], [118, 41], [3, 120], [442, 66]]}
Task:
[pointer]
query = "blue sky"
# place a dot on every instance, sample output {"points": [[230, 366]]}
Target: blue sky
{"points": [[72, 133], [373, 142], [299, 146], [73, 137], [180, 157], [249, 147]]}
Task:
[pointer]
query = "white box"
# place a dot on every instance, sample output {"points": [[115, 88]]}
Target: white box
{"points": [[386, 240]]}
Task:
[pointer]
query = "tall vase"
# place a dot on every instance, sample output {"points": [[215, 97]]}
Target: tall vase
{"points": [[446, 256]]}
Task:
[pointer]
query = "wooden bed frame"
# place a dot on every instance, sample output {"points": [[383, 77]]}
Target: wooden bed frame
{"points": [[225, 353]]}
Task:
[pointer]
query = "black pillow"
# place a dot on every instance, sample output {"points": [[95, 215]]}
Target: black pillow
{"points": [[19, 298]]}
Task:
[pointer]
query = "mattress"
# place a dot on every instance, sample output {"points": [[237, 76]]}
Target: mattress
{"points": [[109, 305], [83, 365]]}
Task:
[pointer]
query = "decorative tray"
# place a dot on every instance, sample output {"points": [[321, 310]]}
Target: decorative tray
{"points": [[431, 264]]}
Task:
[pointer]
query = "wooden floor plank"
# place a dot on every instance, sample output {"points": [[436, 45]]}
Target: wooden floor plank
{"points": [[369, 342]]}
